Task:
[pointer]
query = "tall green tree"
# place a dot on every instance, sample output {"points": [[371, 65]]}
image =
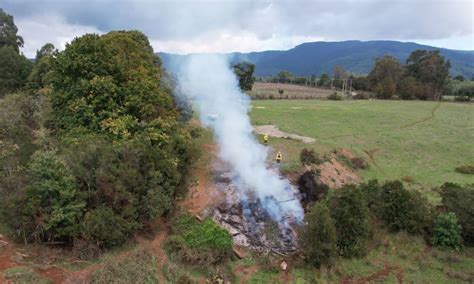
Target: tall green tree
{"points": [[385, 76], [431, 68], [324, 80], [8, 32], [40, 74], [14, 67], [46, 50], [14, 70], [244, 72], [110, 84]]}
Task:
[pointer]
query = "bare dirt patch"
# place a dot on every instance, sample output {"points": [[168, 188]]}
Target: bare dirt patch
{"points": [[203, 194], [273, 131], [335, 174]]}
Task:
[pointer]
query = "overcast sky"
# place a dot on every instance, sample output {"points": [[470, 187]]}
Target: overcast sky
{"points": [[225, 26]]}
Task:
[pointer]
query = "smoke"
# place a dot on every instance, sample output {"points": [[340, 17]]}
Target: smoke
{"points": [[210, 82]]}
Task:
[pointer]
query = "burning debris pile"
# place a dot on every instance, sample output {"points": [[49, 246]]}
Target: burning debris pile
{"points": [[259, 204], [249, 223]]}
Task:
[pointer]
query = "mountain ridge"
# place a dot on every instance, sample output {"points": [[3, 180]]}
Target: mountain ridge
{"points": [[320, 57]]}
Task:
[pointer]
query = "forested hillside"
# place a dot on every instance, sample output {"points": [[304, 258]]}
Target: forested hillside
{"points": [[354, 56]]}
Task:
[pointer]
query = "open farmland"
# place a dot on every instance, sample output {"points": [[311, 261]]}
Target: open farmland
{"points": [[270, 91], [422, 140]]}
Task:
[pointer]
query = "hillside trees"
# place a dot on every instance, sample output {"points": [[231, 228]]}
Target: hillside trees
{"points": [[117, 153], [429, 68], [14, 67], [244, 71], [385, 77], [8, 32]]}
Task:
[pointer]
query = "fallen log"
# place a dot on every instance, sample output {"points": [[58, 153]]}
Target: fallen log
{"points": [[238, 253], [199, 218]]}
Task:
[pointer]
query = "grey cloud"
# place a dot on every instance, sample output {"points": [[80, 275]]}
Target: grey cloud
{"points": [[330, 20]]}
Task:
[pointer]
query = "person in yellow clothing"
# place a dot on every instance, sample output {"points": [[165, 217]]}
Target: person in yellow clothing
{"points": [[278, 157], [265, 138]]}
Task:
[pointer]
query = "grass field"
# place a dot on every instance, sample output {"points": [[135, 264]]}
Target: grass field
{"points": [[423, 140], [270, 90]]}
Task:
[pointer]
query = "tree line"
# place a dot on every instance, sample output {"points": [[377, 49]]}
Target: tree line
{"points": [[424, 76]]}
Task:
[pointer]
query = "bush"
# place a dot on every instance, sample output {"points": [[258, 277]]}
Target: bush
{"points": [[335, 97], [361, 96], [104, 228], [359, 163], [310, 188], [199, 243], [54, 203], [460, 200], [351, 217], [371, 191], [447, 232], [308, 157], [318, 237], [402, 210], [466, 169]]}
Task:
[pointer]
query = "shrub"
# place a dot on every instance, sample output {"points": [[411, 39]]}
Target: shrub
{"points": [[310, 188], [104, 228], [460, 200], [466, 169], [335, 97], [351, 217], [361, 96], [318, 237], [54, 204], [402, 210], [359, 163], [196, 243], [371, 191], [308, 157], [447, 232]]}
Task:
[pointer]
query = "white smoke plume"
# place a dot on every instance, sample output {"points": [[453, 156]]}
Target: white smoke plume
{"points": [[210, 82]]}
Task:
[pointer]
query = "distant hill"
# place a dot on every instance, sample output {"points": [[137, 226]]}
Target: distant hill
{"points": [[321, 57]]}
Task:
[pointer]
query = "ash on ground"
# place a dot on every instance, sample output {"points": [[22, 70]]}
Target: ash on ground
{"points": [[248, 222]]}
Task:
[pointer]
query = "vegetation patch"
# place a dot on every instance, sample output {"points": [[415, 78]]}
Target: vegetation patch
{"points": [[199, 243], [139, 266], [466, 169], [24, 275]]}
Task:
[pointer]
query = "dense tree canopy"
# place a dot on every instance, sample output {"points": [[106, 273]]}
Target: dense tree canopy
{"points": [[120, 152], [429, 67], [8, 32], [14, 67], [385, 76], [244, 72]]}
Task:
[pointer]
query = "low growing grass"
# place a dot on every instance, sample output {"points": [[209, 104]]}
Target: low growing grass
{"points": [[401, 135], [196, 243], [23, 275], [137, 267]]}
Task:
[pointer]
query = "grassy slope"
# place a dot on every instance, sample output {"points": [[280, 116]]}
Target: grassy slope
{"points": [[428, 151]]}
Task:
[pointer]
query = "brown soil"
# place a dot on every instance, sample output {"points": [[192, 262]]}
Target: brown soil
{"points": [[335, 174], [272, 130], [203, 194], [155, 246], [245, 272]]}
